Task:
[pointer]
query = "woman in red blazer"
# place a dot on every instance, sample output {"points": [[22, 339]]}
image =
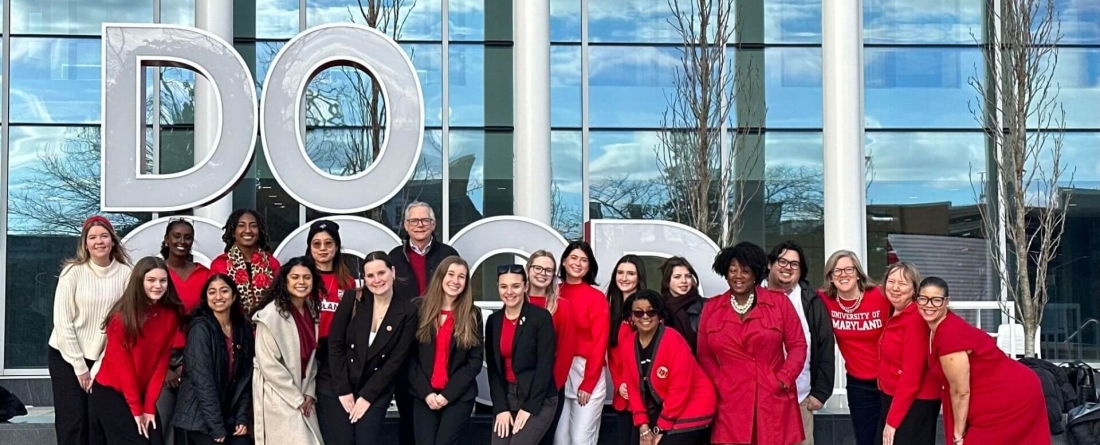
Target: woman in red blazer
{"points": [[671, 399], [743, 334], [910, 394]]}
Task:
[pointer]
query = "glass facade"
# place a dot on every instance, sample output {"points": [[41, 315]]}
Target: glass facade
{"points": [[613, 73]]}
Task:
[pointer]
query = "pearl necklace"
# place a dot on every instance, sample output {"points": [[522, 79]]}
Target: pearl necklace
{"points": [[852, 308], [742, 309]]}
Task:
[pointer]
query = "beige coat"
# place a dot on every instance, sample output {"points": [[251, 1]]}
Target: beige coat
{"points": [[277, 387]]}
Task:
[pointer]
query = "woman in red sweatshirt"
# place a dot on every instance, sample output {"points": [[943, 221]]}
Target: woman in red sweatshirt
{"points": [[544, 292], [586, 389], [139, 329], [628, 277], [910, 393], [671, 399]]}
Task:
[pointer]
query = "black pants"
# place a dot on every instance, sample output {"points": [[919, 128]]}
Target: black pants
{"points": [[75, 422], [197, 438], [404, 402], [537, 424], [548, 438], [694, 437], [118, 423], [336, 428], [627, 433], [441, 427], [865, 405], [918, 427]]}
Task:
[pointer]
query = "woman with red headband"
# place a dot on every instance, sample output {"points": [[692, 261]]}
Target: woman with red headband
{"points": [[90, 284]]}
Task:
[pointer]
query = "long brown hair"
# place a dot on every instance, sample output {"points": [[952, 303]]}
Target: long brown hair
{"points": [[134, 305], [118, 253], [431, 305], [552, 293]]}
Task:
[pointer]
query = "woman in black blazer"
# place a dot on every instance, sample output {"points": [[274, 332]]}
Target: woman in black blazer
{"points": [[519, 344], [370, 338], [449, 356]]}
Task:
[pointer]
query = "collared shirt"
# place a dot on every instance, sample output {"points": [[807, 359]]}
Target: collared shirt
{"points": [[424, 251], [802, 383]]}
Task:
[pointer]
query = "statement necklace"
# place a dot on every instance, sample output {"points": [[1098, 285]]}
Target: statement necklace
{"points": [[852, 308], [742, 309]]}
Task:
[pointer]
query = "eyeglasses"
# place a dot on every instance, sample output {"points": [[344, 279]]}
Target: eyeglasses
{"points": [[784, 263], [510, 268], [419, 221], [845, 271], [931, 301], [645, 314], [539, 270]]}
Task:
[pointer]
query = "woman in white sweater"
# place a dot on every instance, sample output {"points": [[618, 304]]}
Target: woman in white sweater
{"points": [[90, 284]]}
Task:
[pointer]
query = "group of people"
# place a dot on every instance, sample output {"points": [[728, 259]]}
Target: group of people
{"points": [[249, 350]]}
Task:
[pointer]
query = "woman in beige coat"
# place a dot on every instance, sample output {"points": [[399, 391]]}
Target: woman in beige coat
{"points": [[283, 382]]}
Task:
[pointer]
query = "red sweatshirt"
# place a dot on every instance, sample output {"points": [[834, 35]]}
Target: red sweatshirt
{"points": [[903, 369], [138, 371], [566, 337], [333, 294], [592, 317], [857, 333], [687, 397], [190, 293], [615, 363]]}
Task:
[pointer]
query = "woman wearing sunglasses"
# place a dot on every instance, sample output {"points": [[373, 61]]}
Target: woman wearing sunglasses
{"points": [[519, 344], [671, 398], [987, 396]]}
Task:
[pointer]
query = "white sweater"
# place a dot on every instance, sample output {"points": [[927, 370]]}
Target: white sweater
{"points": [[85, 294]]}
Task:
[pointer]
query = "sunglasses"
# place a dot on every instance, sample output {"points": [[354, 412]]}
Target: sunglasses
{"points": [[510, 268], [645, 314]]}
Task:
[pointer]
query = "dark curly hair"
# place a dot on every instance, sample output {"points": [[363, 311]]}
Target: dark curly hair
{"points": [[279, 293], [164, 250], [236, 312], [231, 227], [748, 255]]}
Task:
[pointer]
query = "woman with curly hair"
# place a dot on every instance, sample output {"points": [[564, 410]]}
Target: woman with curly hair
{"points": [[284, 379], [247, 258]]}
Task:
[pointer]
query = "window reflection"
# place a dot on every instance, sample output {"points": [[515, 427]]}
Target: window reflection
{"points": [[1077, 74], [792, 21], [467, 89], [628, 85], [566, 213], [904, 21], [467, 20], [565, 20], [55, 80], [565, 86], [921, 87], [792, 197], [178, 12], [75, 17], [274, 19], [1079, 19], [625, 21], [625, 180], [480, 169], [792, 86], [399, 19]]}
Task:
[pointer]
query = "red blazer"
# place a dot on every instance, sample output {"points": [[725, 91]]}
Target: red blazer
{"points": [[615, 365], [903, 363], [138, 371], [686, 395], [745, 360]]}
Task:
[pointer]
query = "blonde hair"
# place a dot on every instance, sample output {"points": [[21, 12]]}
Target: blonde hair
{"points": [[862, 280], [551, 290], [909, 271], [118, 252], [431, 305]]}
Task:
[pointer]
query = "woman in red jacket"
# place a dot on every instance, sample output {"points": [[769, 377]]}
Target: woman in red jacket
{"points": [[859, 312], [544, 292], [139, 329], [247, 257], [910, 394], [743, 334], [671, 399], [586, 389], [628, 278]]}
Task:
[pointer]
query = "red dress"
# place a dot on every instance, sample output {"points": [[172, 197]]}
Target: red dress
{"points": [[746, 362], [1006, 399]]}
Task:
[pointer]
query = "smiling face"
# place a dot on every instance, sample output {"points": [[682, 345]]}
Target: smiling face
{"points": [[626, 277], [785, 271], [644, 317], [379, 277], [99, 244], [419, 224], [740, 279], [454, 283], [155, 283], [576, 265], [247, 232], [511, 288], [299, 282], [541, 272], [899, 290], [179, 240], [932, 303], [681, 281], [219, 296], [323, 249], [845, 275]]}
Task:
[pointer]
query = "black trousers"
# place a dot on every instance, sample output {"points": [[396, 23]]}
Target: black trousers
{"points": [[197, 438], [548, 438], [118, 423], [627, 433], [865, 405], [404, 402], [75, 422], [919, 425], [337, 429], [694, 437], [441, 427]]}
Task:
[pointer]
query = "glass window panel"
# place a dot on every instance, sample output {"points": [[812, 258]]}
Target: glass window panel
{"points": [[793, 196], [565, 20], [401, 19], [920, 87], [177, 96], [792, 87], [55, 80], [625, 179], [178, 12], [480, 169], [792, 21], [344, 96], [467, 20], [628, 85], [265, 53], [1080, 21], [566, 211], [342, 151], [905, 21], [177, 149], [275, 19], [1077, 74], [428, 61], [467, 70], [636, 21], [75, 16], [923, 198], [565, 86]]}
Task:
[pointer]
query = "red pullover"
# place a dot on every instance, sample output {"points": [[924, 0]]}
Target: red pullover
{"points": [[138, 371], [592, 317]]}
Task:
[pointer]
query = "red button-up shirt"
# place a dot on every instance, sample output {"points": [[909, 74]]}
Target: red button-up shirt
{"points": [[903, 363]]}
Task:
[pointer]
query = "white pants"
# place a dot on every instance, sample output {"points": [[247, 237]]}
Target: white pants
{"points": [[580, 425]]}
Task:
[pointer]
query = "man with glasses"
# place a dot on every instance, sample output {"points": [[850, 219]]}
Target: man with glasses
{"points": [[787, 271], [415, 261]]}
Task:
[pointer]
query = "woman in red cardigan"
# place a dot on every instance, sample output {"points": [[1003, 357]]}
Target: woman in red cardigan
{"points": [[544, 292], [628, 277], [139, 329], [743, 334], [247, 257], [910, 394], [671, 399]]}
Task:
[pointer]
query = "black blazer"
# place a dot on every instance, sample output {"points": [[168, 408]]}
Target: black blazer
{"points": [[462, 368], [821, 347], [369, 371], [210, 400], [532, 359]]}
